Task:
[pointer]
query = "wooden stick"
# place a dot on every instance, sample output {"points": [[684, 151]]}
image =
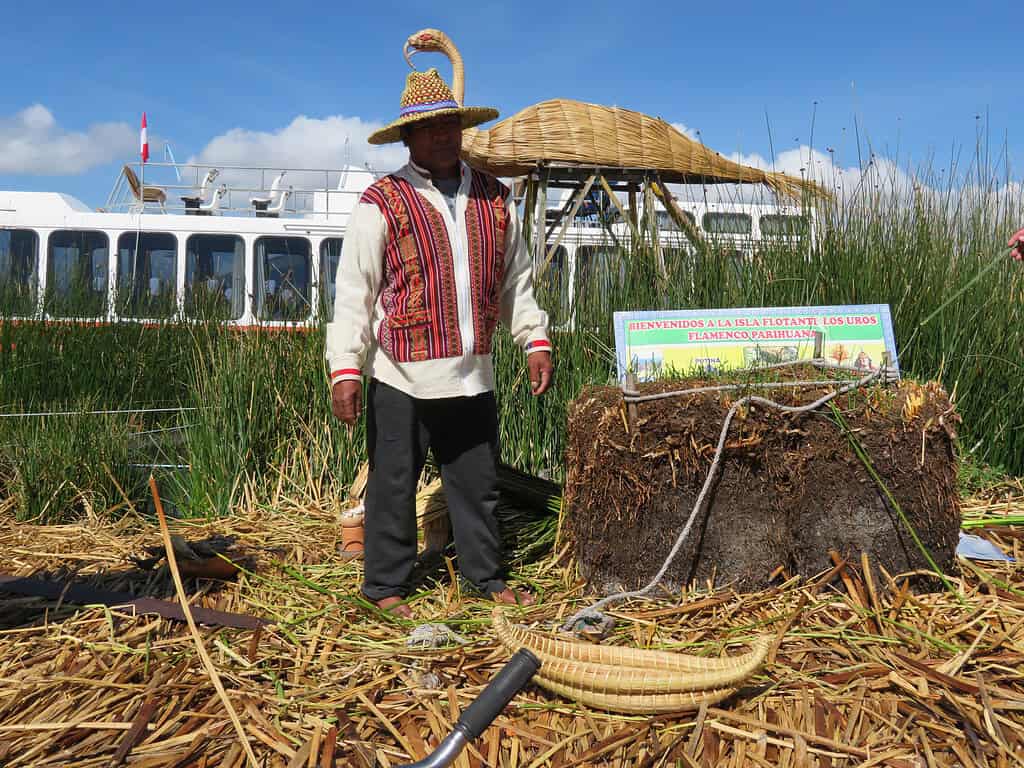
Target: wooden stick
{"points": [[686, 226], [572, 215], [618, 206], [200, 648]]}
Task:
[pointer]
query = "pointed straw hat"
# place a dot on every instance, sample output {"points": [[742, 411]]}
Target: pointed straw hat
{"points": [[427, 95]]}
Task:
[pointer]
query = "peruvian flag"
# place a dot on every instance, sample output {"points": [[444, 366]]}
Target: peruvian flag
{"points": [[144, 141]]}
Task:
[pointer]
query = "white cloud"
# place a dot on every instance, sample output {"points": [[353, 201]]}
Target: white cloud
{"points": [[32, 142], [688, 132], [306, 142], [880, 178]]}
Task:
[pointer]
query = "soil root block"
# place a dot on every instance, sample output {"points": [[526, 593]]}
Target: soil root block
{"points": [[791, 487]]}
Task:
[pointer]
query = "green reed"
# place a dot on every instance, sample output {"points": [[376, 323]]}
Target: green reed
{"points": [[260, 419]]}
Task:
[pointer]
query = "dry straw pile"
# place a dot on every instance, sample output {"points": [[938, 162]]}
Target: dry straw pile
{"points": [[865, 673]]}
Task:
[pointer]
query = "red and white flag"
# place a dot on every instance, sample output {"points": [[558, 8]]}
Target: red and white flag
{"points": [[144, 142]]}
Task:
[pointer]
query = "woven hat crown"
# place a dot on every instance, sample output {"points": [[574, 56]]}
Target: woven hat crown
{"points": [[425, 92], [425, 96]]}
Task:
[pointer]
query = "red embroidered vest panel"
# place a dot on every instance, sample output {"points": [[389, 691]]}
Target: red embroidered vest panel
{"points": [[421, 308]]}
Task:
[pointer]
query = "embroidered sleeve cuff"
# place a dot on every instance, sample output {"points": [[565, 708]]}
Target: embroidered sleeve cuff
{"points": [[538, 345], [345, 374]]}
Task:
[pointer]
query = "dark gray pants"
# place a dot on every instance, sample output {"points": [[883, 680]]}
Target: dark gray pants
{"points": [[462, 432]]}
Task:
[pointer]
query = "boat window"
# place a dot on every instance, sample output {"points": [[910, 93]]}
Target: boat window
{"points": [[76, 274], [282, 277], [215, 277], [330, 255], [19, 259], [667, 224], [727, 223], [779, 224], [147, 274]]}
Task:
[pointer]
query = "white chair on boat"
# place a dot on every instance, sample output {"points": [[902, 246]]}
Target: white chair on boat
{"points": [[210, 208], [194, 204], [278, 205], [273, 205]]}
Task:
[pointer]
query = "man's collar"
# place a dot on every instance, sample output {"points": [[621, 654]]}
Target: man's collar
{"points": [[426, 175]]}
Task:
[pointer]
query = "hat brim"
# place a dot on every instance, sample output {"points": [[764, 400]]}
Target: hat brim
{"points": [[471, 117]]}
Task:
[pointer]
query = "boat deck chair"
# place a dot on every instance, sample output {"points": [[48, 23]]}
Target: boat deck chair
{"points": [[273, 205], [143, 196]]}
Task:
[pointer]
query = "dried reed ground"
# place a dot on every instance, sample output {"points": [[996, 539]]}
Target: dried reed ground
{"points": [[865, 674]]}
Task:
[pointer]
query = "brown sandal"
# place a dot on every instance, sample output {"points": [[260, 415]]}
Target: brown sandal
{"points": [[351, 539]]}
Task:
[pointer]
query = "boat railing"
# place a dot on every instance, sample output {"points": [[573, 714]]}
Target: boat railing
{"points": [[239, 190]]}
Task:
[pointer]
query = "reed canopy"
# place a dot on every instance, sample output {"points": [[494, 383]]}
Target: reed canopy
{"points": [[567, 131]]}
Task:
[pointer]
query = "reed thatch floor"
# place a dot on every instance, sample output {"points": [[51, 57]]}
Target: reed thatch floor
{"points": [[865, 674]]}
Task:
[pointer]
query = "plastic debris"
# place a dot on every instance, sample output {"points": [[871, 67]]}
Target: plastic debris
{"points": [[976, 548]]}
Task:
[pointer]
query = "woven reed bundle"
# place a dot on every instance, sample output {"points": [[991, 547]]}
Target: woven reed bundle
{"points": [[631, 680], [563, 130], [567, 131]]}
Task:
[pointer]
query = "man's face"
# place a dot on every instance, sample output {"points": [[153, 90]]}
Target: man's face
{"points": [[434, 144]]}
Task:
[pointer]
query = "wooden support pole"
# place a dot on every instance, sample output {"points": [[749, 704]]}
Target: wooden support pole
{"points": [[632, 208], [540, 220], [629, 384], [687, 227], [558, 219], [651, 213], [529, 203], [618, 206], [580, 197]]}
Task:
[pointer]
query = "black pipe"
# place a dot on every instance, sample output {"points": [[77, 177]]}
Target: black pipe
{"points": [[512, 678]]}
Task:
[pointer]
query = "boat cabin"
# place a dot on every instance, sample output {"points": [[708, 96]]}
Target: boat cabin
{"points": [[260, 246]]}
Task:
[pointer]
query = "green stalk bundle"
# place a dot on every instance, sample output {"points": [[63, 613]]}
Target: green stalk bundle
{"points": [[259, 423]]}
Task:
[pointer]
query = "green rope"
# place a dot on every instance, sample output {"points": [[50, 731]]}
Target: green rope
{"points": [[981, 273], [866, 461]]}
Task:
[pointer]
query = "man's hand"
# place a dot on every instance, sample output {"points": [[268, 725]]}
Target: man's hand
{"points": [[542, 371], [347, 400], [1017, 243]]}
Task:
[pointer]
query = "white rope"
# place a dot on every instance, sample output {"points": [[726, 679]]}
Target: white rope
{"points": [[94, 413], [635, 397], [593, 613]]}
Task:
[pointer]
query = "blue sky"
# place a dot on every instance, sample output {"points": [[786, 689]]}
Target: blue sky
{"points": [[286, 82]]}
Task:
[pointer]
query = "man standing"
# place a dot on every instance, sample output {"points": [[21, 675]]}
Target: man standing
{"points": [[433, 258]]}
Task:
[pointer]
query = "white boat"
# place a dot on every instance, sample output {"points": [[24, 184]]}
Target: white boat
{"points": [[256, 252], [260, 247]]}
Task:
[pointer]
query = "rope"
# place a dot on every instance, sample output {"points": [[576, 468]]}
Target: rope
{"points": [[593, 614], [94, 413], [633, 396]]}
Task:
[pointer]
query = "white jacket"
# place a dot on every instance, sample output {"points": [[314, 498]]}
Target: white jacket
{"points": [[352, 349]]}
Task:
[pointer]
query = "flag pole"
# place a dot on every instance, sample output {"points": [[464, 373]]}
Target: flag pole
{"points": [[144, 156]]}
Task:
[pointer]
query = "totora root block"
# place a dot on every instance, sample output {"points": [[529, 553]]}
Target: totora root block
{"points": [[791, 487]]}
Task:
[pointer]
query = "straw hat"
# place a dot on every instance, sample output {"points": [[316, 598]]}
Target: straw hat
{"points": [[425, 96]]}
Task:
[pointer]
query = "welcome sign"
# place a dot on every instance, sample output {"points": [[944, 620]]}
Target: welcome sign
{"points": [[649, 344]]}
